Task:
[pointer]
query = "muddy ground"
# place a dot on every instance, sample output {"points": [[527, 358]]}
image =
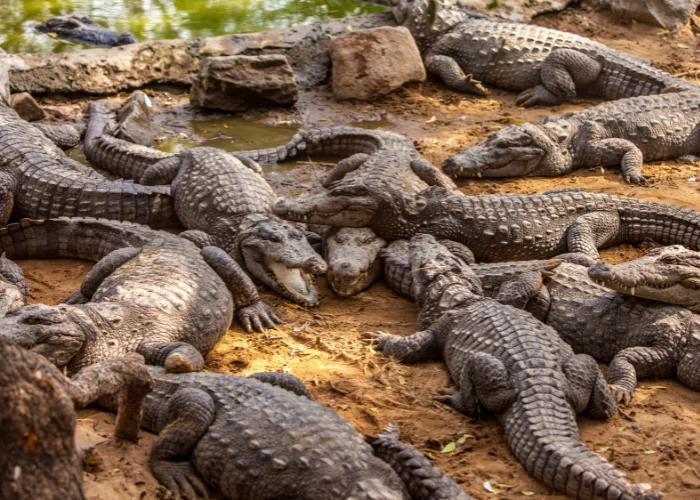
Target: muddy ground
{"points": [[658, 441]]}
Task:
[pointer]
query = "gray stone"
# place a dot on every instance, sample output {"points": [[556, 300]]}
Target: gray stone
{"points": [[238, 83], [4, 83], [27, 107], [375, 62], [671, 14], [135, 123]]}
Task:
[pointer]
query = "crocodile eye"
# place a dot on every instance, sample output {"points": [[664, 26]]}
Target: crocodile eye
{"points": [[30, 321]]}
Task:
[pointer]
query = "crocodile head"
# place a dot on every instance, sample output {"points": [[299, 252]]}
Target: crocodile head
{"points": [[441, 281], [13, 286], [514, 151], [353, 259], [278, 255], [669, 274], [56, 332], [427, 19]]}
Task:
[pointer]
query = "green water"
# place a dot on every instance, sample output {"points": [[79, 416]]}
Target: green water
{"points": [[164, 19]]}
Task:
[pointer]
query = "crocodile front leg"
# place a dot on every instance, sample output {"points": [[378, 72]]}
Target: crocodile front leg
{"points": [[175, 357], [344, 167], [432, 175], [592, 231], [633, 362], [601, 151], [127, 376], [8, 185], [104, 268], [199, 238], [449, 71], [251, 311], [162, 173], [417, 347], [284, 381], [588, 390], [188, 416], [517, 293], [560, 73]]}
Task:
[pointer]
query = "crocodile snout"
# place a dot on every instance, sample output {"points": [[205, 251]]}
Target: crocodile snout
{"points": [[315, 265], [601, 271]]}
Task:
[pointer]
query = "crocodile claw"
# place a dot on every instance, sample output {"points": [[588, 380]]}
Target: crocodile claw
{"points": [[537, 95], [475, 86], [622, 396], [636, 179], [180, 478], [258, 317]]}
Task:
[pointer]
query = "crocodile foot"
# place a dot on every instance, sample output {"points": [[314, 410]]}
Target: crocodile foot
{"points": [[537, 95], [180, 478], [258, 317], [637, 179], [622, 396]]}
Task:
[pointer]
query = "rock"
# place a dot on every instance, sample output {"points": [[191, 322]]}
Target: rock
{"points": [[372, 63], [238, 83], [516, 10], [27, 107], [134, 120], [108, 71], [4, 84], [671, 14]]}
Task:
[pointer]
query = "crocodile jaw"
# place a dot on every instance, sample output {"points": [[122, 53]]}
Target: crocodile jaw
{"points": [[345, 211], [291, 282]]}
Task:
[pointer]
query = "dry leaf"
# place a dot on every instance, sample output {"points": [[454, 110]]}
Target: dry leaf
{"points": [[488, 487], [449, 448], [432, 119], [528, 493], [649, 452]]}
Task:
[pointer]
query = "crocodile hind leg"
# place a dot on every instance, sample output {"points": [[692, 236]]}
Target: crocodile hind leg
{"points": [[344, 167], [589, 391], [560, 73], [189, 414], [590, 232], [175, 357], [161, 173], [251, 311], [432, 175], [283, 380], [417, 347], [104, 268], [7, 197], [517, 293], [199, 238], [634, 362], [449, 72], [423, 480]]}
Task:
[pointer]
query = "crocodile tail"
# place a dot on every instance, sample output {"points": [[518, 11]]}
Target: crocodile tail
{"points": [[79, 238], [542, 433], [118, 156], [662, 223], [422, 479]]}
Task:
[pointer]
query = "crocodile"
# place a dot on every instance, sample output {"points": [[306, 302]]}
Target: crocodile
{"points": [[251, 438], [635, 336], [13, 286], [548, 67], [668, 274], [507, 362], [223, 201], [501, 227], [353, 260], [626, 132], [82, 29], [37, 180], [370, 155], [37, 419], [150, 292]]}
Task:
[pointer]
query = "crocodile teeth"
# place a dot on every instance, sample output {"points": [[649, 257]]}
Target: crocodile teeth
{"points": [[632, 291], [478, 174], [291, 278]]}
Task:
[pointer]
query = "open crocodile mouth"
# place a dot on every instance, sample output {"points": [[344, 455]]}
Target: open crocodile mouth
{"points": [[304, 217], [618, 285], [292, 279], [348, 285]]}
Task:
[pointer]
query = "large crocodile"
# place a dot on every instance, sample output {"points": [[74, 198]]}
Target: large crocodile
{"points": [[626, 133], [223, 200], [38, 180], [370, 155], [501, 227], [13, 286], [84, 30], [37, 419], [151, 292], [507, 362], [252, 440], [637, 337], [548, 66]]}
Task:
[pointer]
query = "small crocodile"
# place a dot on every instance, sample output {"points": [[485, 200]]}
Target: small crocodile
{"points": [[82, 29], [223, 201], [38, 180], [252, 440], [548, 66], [500, 227], [667, 274], [637, 337], [627, 133], [37, 419], [13, 286], [150, 292], [507, 362]]}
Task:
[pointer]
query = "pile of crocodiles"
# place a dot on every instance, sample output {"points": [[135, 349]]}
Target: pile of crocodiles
{"points": [[511, 292]]}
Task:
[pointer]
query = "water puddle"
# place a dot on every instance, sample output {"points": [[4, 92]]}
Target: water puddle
{"points": [[158, 20]]}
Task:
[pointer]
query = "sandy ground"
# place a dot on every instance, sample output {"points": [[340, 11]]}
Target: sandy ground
{"points": [[657, 443]]}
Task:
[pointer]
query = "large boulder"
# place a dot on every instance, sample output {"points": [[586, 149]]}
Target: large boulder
{"points": [[4, 82], [372, 63], [671, 14], [238, 83], [26, 107], [134, 120]]}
